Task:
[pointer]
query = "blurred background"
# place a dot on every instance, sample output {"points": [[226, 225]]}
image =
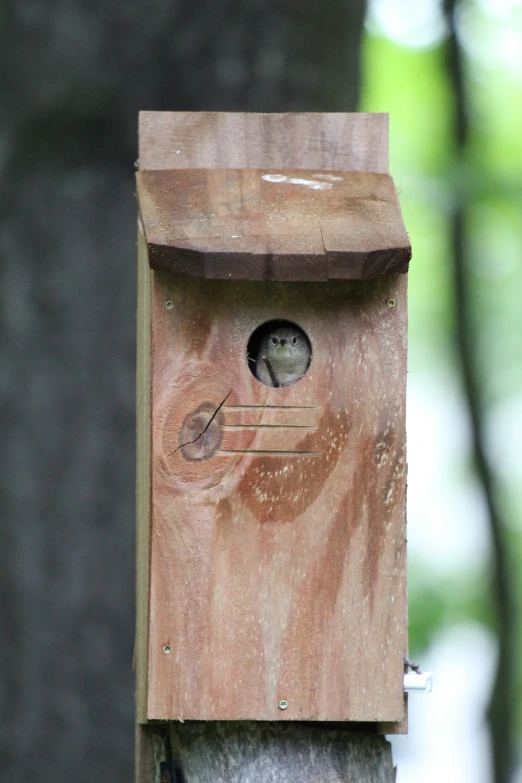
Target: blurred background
{"points": [[74, 76]]}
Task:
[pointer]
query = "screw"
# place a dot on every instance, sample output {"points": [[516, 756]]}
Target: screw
{"points": [[392, 302], [283, 704], [169, 304], [166, 649]]}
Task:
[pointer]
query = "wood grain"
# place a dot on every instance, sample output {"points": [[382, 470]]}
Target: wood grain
{"points": [[143, 472], [260, 224], [222, 140], [278, 559]]}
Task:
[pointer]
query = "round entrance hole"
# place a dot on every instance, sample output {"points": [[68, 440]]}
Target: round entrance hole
{"points": [[279, 353]]}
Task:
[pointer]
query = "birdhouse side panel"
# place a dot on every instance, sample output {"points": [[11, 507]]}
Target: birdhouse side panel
{"points": [[277, 546]]}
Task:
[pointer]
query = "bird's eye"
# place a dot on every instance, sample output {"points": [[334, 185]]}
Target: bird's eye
{"points": [[273, 340], [294, 340]]}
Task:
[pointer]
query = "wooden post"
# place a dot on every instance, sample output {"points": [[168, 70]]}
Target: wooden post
{"points": [[249, 752], [271, 619]]}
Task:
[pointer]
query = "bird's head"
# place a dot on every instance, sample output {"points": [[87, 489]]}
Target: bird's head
{"points": [[285, 342]]}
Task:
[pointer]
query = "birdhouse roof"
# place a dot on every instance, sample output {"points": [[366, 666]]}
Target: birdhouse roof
{"points": [[272, 223]]}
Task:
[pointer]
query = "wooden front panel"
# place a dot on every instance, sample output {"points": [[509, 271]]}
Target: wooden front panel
{"points": [[277, 562]]}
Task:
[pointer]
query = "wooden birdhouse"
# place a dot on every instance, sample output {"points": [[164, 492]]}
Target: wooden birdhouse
{"points": [[271, 509]]}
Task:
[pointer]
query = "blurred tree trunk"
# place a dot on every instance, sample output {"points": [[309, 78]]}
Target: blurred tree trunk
{"points": [[75, 75], [501, 708]]}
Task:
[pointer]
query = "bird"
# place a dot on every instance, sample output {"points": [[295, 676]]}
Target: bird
{"points": [[284, 356]]}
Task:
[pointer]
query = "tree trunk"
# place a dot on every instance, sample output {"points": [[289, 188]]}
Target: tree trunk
{"points": [[262, 753], [75, 75]]}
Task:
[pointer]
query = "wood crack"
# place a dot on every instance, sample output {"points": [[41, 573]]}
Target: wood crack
{"points": [[205, 428]]}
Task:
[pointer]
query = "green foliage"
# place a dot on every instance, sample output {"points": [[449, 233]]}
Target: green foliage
{"points": [[410, 86], [437, 602]]}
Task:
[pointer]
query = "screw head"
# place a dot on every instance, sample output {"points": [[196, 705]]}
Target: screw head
{"points": [[283, 704], [392, 302], [169, 304], [166, 649]]}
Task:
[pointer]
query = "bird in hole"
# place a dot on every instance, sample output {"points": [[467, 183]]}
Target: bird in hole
{"points": [[283, 357]]}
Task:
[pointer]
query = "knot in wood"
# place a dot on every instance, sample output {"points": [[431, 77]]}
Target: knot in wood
{"points": [[201, 434]]}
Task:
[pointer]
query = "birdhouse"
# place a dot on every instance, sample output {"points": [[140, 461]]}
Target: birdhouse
{"points": [[271, 419]]}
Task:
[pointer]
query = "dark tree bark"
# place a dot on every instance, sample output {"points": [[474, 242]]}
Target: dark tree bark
{"points": [[246, 752], [501, 708], [271, 753], [74, 76]]}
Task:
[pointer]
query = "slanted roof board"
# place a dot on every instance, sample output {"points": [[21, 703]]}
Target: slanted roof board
{"points": [[267, 224]]}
